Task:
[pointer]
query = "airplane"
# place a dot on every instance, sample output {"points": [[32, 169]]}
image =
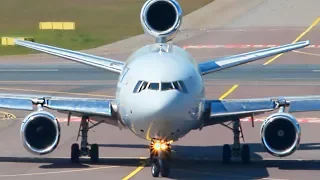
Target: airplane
{"points": [[160, 97]]}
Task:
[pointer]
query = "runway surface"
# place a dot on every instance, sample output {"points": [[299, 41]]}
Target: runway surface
{"points": [[198, 154], [74, 73]]}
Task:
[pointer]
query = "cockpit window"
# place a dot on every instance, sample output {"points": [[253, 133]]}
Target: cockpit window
{"points": [[180, 86], [176, 85], [154, 86], [143, 86], [137, 86], [183, 86], [166, 86]]}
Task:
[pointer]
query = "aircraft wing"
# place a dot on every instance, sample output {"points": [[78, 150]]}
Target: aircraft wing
{"points": [[88, 59], [75, 106], [235, 60], [219, 111]]}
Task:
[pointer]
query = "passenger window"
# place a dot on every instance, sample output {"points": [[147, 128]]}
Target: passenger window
{"points": [[154, 86], [135, 90], [166, 86]]}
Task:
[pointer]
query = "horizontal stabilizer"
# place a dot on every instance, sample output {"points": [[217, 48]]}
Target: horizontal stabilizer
{"points": [[87, 59], [235, 60]]}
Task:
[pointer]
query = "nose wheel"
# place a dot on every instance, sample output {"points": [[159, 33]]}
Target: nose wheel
{"points": [[160, 156]]}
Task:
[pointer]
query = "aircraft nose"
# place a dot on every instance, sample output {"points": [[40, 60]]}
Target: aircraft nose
{"points": [[168, 102], [164, 104]]}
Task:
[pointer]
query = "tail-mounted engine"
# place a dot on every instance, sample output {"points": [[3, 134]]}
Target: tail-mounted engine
{"points": [[40, 132], [280, 134], [161, 19]]}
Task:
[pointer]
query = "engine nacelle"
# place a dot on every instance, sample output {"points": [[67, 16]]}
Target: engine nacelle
{"points": [[280, 134], [161, 18], [40, 132]]}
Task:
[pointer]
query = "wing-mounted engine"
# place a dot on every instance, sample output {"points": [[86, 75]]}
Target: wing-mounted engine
{"points": [[40, 132], [161, 19], [280, 134]]}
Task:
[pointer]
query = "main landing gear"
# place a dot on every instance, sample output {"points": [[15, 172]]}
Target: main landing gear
{"points": [[160, 157], [236, 150], [77, 152]]}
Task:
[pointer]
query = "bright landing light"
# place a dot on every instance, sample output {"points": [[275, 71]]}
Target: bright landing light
{"points": [[160, 146]]}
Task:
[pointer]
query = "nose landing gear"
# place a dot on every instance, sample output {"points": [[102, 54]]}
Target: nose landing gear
{"points": [[160, 157]]}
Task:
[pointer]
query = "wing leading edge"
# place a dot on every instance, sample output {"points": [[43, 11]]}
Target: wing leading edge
{"points": [[88, 59], [77, 106], [235, 60], [230, 109]]}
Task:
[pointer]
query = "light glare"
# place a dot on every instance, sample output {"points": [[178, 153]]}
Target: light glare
{"points": [[163, 146], [160, 146], [157, 146]]}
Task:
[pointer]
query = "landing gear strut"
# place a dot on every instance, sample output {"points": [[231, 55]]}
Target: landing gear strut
{"points": [[236, 150], [76, 151], [160, 157]]}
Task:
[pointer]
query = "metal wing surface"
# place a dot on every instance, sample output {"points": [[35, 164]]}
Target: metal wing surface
{"points": [[235, 60], [226, 110], [77, 106], [88, 59]]}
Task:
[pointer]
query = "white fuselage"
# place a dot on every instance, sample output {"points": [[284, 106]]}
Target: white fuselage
{"points": [[160, 93]]}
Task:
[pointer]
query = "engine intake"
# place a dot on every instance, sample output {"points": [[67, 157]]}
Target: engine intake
{"points": [[161, 18], [40, 132], [280, 134]]}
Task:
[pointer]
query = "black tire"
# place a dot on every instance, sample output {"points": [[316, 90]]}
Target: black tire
{"points": [[94, 153], [164, 168], [245, 154], [75, 153], [226, 154], [155, 169]]}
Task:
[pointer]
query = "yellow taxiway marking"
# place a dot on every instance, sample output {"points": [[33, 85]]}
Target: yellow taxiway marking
{"points": [[56, 92], [135, 171], [297, 39], [58, 172], [7, 115], [138, 169], [234, 87]]}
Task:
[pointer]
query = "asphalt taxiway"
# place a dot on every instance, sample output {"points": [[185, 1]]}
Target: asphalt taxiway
{"points": [[199, 153]]}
